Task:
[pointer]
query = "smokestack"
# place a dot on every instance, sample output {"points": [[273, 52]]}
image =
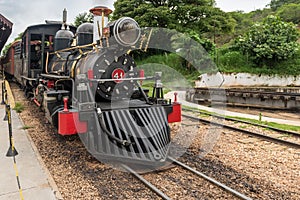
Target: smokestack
{"points": [[101, 14]]}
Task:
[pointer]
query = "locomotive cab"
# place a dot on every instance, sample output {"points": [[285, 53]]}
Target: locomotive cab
{"points": [[36, 45]]}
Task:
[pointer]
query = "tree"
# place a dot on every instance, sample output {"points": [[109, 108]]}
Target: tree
{"points": [[188, 46], [152, 13], [126, 8], [183, 15], [82, 18], [270, 41], [245, 20], [290, 12], [275, 4], [199, 17]]}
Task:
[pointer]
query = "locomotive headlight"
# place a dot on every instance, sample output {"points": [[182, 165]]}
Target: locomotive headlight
{"points": [[126, 31]]}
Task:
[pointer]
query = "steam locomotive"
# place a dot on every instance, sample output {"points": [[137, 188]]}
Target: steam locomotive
{"points": [[86, 82]]}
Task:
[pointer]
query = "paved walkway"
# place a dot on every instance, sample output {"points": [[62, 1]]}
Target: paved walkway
{"points": [[181, 99], [35, 181]]}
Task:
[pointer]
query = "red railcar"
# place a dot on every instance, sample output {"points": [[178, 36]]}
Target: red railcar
{"points": [[10, 62]]}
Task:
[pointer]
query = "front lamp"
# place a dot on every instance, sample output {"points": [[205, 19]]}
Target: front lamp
{"points": [[125, 31]]}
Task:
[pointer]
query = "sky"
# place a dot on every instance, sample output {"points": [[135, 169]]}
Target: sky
{"points": [[244, 5], [28, 12]]}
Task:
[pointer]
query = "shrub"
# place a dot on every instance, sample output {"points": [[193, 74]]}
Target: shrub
{"points": [[234, 61], [270, 41]]}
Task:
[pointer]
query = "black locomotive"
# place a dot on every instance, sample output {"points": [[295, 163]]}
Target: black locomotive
{"points": [[86, 82]]}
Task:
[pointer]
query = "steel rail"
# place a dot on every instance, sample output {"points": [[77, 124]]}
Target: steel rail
{"points": [[265, 137], [290, 94], [232, 191], [147, 183], [246, 122], [165, 197]]}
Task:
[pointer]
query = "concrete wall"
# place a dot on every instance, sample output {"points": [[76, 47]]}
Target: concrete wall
{"points": [[245, 79]]}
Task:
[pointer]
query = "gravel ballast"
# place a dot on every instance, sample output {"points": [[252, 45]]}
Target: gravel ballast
{"points": [[259, 169]]}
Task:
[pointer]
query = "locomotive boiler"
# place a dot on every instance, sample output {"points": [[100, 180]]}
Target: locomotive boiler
{"points": [[87, 83]]}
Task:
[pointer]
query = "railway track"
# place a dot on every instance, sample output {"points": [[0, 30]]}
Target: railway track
{"points": [[296, 134], [250, 133], [189, 169], [75, 170], [274, 91], [267, 97]]}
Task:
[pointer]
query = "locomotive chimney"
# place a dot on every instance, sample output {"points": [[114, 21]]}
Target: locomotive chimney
{"points": [[65, 16], [101, 14]]}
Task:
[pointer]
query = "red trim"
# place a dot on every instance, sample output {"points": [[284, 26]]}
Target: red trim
{"points": [[90, 74], [69, 123], [142, 75], [50, 84], [175, 97], [175, 115], [36, 102], [66, 105], [6, 21], [101, 9]]}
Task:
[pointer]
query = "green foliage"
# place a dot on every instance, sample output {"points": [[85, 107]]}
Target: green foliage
{"points": [[246, 20], [5, 49], [290, 12], [290, 66], [268, 45], [25, 127], [271, 124], [184, 16], [189, 46], [207, 44], [19, 107], [232, 61], [229, 60], [171, 66], [82, 18], [270, 41], [146, 13], [275, 4]]}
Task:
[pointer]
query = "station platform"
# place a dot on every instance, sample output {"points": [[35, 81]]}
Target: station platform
{"points": [[35, 181], [224, 112]]}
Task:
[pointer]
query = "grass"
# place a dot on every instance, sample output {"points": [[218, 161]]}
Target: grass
{"points": [[284, 127], [19, 107], [236, 62], [149, 85], [271, 124], [26, 127], [173, 67], [242, 126]]}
